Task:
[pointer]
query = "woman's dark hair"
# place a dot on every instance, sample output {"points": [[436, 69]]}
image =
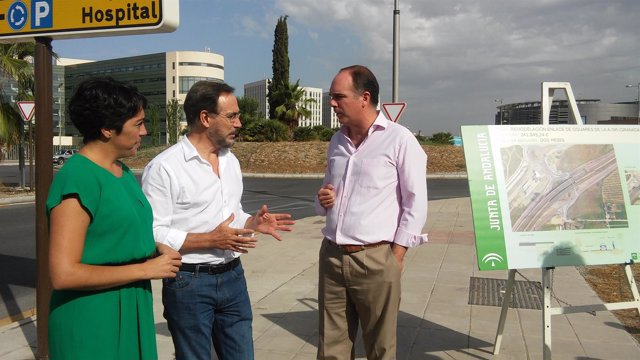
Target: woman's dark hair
{"points": [[103, 103], [204, 95], [364, 80]]}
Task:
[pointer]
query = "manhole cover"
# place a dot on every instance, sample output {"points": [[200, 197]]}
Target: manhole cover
{"points": [[490, 292]]}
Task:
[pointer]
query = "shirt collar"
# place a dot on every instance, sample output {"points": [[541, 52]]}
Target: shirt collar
{"points": [[191, 153], [381, 122]]}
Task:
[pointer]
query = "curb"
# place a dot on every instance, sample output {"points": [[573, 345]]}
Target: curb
{"points": [[23, 199]]}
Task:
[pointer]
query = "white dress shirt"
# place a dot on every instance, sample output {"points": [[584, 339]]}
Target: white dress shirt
{"points": [[380, 187], [188, 197]]}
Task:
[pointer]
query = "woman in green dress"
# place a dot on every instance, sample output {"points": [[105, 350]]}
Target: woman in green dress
{"points": [[102, 254]]}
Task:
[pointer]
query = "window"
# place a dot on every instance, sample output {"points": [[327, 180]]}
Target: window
{"points": [[186, 82], [187, 63]]}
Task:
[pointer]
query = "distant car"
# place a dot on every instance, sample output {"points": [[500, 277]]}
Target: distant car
{"points": [[63, 155]]}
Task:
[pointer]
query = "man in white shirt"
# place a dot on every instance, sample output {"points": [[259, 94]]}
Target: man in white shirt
{"points": [[375, 199], [195, 188]]}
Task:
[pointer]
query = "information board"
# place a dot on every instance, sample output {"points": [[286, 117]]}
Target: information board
{"points": [[64, 19], [556, 195]]}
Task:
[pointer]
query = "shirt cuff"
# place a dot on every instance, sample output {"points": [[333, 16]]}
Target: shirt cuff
{"points": [[175, 238], [408, 239], [241, 220]]}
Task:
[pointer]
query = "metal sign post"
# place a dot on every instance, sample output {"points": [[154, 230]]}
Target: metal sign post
{"points": [[26, 110]]}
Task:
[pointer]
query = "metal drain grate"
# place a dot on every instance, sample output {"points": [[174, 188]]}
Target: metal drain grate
{"points": [[490, 292]]}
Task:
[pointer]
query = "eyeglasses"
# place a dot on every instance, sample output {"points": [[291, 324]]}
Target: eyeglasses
{"points": [[229, 116]]}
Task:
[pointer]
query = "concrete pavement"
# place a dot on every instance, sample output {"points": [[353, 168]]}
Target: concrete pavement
{"points": [[435, 322]]}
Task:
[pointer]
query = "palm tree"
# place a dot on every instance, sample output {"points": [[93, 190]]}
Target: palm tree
{"points": [[13, 65], [294, 106]]}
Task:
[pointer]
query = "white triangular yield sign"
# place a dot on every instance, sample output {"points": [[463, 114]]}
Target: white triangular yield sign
{"points": [[393, 110], [27, 109]]}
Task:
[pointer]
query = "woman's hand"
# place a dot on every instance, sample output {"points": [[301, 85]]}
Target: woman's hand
{"points": [[165, 265]]}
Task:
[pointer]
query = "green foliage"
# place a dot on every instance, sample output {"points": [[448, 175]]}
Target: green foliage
{"points": [[248, 106], [266, 130], [174, 114], [14, 66], [421, 138], [318, 132], [248, 113], [326, 134], [10, 122], [294, 105], [153, 116], [304, 133], [441, 138], [279, 65]]}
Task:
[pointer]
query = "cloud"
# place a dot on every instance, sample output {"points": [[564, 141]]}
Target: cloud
{"points": [[457, 57]]}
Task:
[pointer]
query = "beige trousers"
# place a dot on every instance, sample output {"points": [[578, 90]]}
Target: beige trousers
{"points": [[362, 286]]}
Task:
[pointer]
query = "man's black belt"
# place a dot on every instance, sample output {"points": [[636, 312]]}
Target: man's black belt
{"points": [[211, 269]]}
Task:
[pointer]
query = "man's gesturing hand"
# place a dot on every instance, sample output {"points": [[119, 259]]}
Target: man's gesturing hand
{"points": [[228, 238], [268, 223]]}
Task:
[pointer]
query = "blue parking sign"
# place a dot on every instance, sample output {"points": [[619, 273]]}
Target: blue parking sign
{"points": [[41, 14]]}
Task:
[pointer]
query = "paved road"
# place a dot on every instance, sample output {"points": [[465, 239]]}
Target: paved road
{"points": [[10, 174], [17, 237]]}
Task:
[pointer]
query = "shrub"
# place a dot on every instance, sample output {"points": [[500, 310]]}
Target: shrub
{"points": [[421, 139], [266, 130], [304, 134], [325, 134], [442, 138]]}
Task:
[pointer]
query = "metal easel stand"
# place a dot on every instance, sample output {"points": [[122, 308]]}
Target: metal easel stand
{"points": [[548, 311]]}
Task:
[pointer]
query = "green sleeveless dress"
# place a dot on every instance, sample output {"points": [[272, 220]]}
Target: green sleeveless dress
{"points": [[115, 323]]}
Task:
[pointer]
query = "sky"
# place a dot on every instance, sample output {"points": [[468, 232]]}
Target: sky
{"points": [[458, 59]]}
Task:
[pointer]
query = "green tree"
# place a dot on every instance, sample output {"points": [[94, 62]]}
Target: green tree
{"points": [[153, 114], [294, 105], [279, 65], [174, 114], [266, 130], [13, 65], [248, 106], [441, 138], [421, 138], [248, 115]]}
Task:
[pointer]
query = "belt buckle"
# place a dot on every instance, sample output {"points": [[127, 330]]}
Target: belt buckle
{"points": [[352, 249], [216, 269], [211, 270]]}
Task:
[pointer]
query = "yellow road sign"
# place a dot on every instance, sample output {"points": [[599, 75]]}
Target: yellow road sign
{"points": [[64, 19]]}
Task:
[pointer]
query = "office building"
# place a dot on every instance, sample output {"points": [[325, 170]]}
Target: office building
{"points": [[160, 77], [258, 90], [592, 111], [329, 118]]}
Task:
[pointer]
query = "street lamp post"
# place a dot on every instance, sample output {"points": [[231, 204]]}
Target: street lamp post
{"points": [[396, 51], [638, 100], [60, 111]]}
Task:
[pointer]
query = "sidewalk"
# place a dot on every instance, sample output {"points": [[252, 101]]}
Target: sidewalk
{"points": [[435, 322]]}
